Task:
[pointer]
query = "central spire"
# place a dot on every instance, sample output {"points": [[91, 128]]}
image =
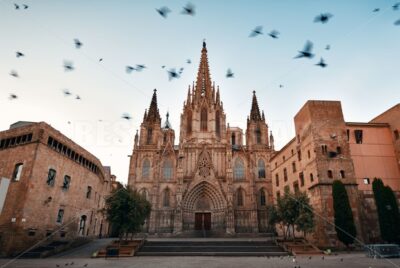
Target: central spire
{"points": [[255, 110], [153, 114], [203, 83]]}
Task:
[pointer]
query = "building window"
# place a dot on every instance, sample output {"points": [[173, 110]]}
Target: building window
{"points": [[149, 136], [277, 180], [66, 182], [31, 232], [167, 169], [51, 177], [301, 178], [238, 172], [330, 174], [292, 152], [358, 134], [146, 169], [203, 119], [324, 149], [299, 155], [366, 181], [285, 174], [263, 200], [17, 172], [217, 124], [311, 177], [296, 188], [261, 169], [166, 197], [396, 134], [283, 158], [239, 197], [294, 167], [60, 215], [309, 154], [89, 192], [144, 194], [276, 164], [342, 175], [348, 134], [338, 150], [258, 136], [233, 139], [278, 195]]}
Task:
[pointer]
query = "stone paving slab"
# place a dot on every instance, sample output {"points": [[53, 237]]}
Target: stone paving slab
{"points": [[342, 260]]}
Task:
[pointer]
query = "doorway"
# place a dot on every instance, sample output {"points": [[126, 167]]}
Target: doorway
{"points": [[202, 221]]}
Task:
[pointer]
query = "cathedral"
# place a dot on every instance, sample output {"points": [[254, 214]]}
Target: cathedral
{"points": [[211, 180]]}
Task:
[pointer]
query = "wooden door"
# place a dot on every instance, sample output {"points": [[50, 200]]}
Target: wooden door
{"points": [[207, 221], [198, 221]]}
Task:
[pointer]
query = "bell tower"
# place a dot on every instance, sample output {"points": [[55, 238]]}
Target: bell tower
{"points": [[203, 116], [150, 129], [257, 129]]}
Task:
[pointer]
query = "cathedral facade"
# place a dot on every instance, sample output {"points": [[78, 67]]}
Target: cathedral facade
{"points": [[210, 180]]}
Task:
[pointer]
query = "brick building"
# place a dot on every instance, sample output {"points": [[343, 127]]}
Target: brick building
{"points": [[326, 148], [210, 180], [48, 185]]}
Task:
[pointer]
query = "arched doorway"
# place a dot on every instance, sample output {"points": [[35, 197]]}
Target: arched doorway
{"points": [[204, 208], [82, 225]]}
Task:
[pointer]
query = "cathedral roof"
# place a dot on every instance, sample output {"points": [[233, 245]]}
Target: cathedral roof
{"points": [[255, 110], [153, 114]]}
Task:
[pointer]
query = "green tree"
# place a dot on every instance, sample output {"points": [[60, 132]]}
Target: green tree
{"points": [[126, 210], [388, 211], [344, 222], [305, 220]]}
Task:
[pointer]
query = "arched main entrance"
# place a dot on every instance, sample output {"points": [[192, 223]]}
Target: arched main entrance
{"points": [[204, 208]]}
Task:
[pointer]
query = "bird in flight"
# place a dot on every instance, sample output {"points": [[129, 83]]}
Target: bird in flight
{"points": [[189, 9], [397, 22], [13, 97], [66, 92], [256, 31], [306, 52], [77, 43], [129, 69], [101, 59], [280, 86], [188, 61], [68, 66], [16, 6], [376, 10], [172, 74], [323, 17], [77, 97], [163, 11], [396, 6], [181, 70], [126, 116], [140, 67], [229, 74], [327, 47], [321, 63], [274, 34], [14, 74], [25, 6], [19, 54]]}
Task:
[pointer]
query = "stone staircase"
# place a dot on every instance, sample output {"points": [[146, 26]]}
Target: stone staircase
{"points": [[43, 251], [210, 247]]}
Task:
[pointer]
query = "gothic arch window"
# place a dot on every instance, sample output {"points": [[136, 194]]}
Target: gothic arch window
{"points": [[258, 135], [144, 193], [233, 139], [240, 197], [167, 169], [149, 136], [262, 197], [217, 124], [238, 173], [189, 122], [203, 119], [146, 169], [261, 169], [166, 197]]}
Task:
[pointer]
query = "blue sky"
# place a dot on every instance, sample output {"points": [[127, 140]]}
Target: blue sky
{"points": [[363, 63]]}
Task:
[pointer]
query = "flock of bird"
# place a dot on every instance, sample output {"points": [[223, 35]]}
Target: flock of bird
{"points": [[173, 73]]}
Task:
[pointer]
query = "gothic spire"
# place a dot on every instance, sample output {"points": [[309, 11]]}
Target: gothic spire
{"points": [[153, 115], [167, 124], [255, 111], [203, 82]]}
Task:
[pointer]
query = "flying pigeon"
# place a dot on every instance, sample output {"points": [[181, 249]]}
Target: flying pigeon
{"points": [[172, 74], [306, 52], [67, 92], [68, 66], [163, 11], [14, 73], [229, 73], [188, 9], [77, 43], [13, 97], [321, 63], [19, 54], [274, 34], [129, 69], [126, 116], [323, 17], [256, 31]]}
